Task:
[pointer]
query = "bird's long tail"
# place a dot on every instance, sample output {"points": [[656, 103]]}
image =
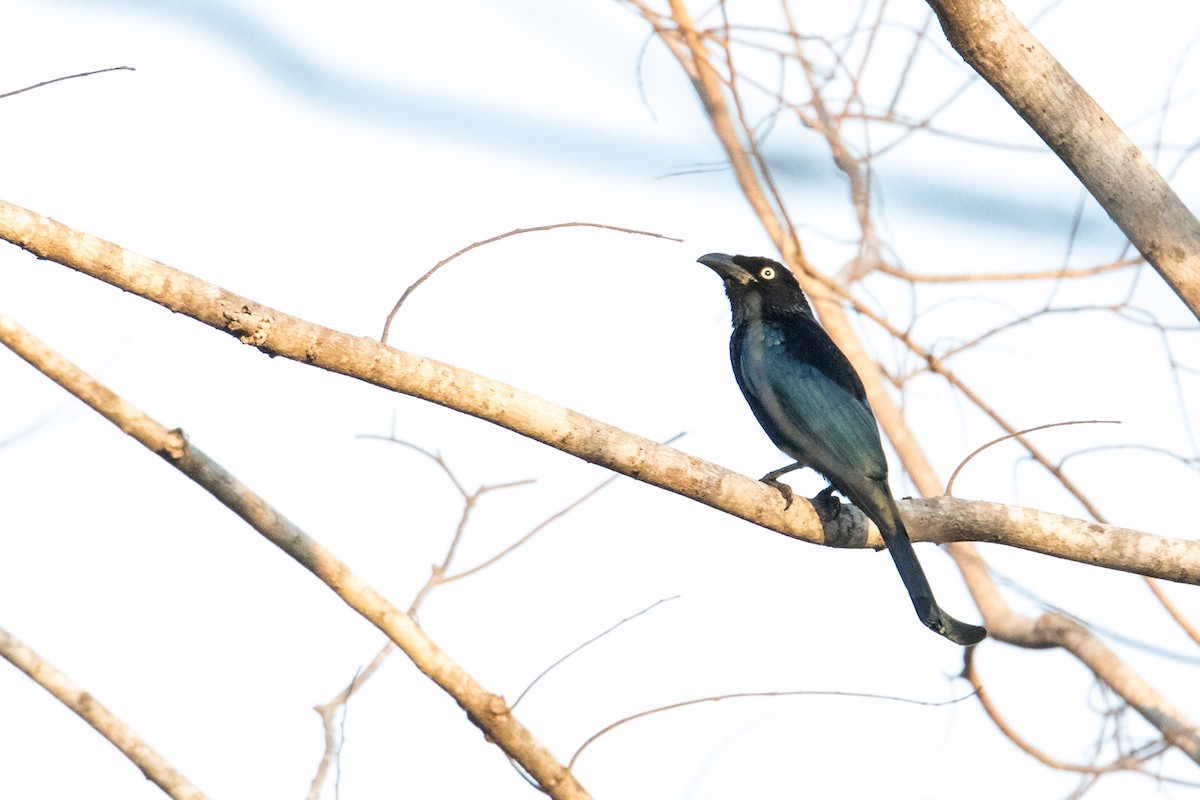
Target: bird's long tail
{"points": [[896, 537]]}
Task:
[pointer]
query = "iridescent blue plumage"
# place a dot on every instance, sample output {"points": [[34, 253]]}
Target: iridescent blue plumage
{"points": [[811, 403]]}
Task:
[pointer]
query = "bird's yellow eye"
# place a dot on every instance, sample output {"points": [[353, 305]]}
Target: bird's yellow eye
{"points": [[767, 273]]}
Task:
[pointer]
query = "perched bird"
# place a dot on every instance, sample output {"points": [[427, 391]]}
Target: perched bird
{"points": [[812, 405]]}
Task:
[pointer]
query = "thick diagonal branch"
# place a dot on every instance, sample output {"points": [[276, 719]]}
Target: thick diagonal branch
{"points": [[1107, 162]]}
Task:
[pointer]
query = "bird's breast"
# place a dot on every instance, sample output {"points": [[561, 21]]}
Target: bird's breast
{"points": [[762, 336]]}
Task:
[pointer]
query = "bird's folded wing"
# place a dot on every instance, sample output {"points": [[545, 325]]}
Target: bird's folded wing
{"points": [[835, 430]]}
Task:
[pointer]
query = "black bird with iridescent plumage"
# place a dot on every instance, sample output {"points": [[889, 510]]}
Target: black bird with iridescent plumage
{"points": [[811, 403]]}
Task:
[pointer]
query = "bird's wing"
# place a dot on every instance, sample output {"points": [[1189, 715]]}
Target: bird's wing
{"points": [[805, 411]]}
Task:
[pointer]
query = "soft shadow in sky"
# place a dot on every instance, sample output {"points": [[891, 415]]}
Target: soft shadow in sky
{"points": [[549, 138]]}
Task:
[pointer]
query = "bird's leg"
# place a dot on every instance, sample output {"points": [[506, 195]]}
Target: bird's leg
{"points": [[826, 504], [771, 479]]}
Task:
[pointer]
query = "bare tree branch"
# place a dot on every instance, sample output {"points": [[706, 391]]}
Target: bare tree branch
{"points": [[949, 519], [1036, 275], [91, 711]]}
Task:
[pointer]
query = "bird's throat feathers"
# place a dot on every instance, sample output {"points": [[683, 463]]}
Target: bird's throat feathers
{"points": [[750, 307], [747, 308]]}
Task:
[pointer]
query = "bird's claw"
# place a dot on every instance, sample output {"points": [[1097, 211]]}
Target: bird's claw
{"points": [[782, 488], [826, 504]]}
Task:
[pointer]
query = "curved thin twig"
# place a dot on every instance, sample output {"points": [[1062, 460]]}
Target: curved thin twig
{"points": [[516, 231], [64, 78], [744, 695], [1014, 434], [985, 701], [581, 646]]}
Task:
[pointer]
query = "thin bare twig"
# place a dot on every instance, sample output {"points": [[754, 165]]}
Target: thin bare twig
{"points": [[919, 41], [995, 330], [437, 577], [335, 734], [437, 574], [1173, 610], [1191, 462], [328, 713], [985, 701], [531, 533], [542, 525], [744, 695], [1014, 434], [595, 638], [64, 78], [516, 231]]}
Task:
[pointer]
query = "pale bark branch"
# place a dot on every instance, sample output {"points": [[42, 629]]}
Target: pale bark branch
{"points": [[489, 712], [950, 519], [1060, 273], [91, 711], [328, 712], [280, 334], [1107, 162]]}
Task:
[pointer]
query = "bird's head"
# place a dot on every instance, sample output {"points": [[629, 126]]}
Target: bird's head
{"points": [[756, 284]]}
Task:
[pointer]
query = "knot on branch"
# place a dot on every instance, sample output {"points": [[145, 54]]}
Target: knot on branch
{"points": [[249, 326], [173, 445]]}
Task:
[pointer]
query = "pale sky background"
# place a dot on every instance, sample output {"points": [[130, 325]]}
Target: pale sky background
{"points": [[320, 159]]}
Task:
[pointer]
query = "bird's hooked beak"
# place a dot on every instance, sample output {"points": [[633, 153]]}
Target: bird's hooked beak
{"points": [[724, 266]]}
